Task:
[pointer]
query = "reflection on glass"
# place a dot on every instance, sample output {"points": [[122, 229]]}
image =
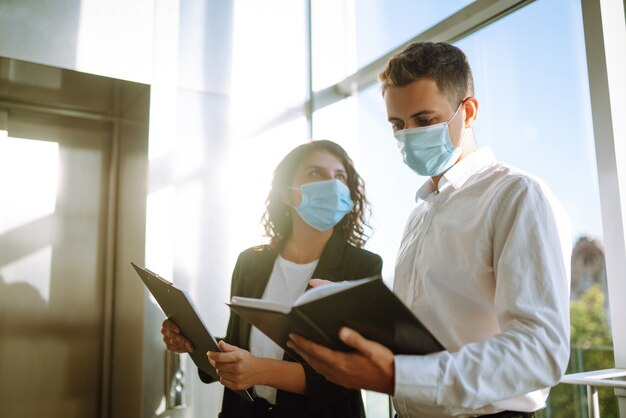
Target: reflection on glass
{"points": [[249, 167], [333, 41], [28, 180], [160, 234], [336, 123], [268, 63], [382, 25], [532, 86], [360, 125], [349, 34]]}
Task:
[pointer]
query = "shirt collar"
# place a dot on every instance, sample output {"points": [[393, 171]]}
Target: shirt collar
{"points": [[459, 173]]}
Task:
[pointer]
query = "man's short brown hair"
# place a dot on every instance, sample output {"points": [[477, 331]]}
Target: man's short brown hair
{"points": [[440, 61]]}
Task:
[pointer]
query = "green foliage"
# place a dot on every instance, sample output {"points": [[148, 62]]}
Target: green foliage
{"points": [[588, 318], [591, 349]]}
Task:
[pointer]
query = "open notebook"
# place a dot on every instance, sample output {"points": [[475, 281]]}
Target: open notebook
{"points": [[365, 305]]}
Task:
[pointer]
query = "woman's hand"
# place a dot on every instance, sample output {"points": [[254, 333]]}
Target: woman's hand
{"points": [[173, 339], [237, 368]]}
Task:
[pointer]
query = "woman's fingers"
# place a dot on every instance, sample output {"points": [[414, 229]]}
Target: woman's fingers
{"points": [[173, 339]]}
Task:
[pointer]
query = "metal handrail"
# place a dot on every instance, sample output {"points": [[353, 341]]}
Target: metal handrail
{"points": [[614, 378]]}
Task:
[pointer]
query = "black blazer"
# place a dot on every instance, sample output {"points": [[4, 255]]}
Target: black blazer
{"points": [[339, 261]]}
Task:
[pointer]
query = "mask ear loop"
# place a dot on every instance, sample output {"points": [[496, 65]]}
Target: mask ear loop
{"points": [[464, 128], [287, 200]]}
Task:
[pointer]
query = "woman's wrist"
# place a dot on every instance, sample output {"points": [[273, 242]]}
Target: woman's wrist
{"points": [[265, 370], [281, 374]]}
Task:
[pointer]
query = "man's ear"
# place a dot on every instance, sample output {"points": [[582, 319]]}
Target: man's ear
{"points": [[471, 111]]}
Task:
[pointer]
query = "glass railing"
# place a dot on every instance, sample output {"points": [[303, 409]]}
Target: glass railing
{"points": [[571, 401]]}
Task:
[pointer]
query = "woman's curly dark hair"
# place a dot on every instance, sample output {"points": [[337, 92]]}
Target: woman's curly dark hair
{"points": [[277, 217]]}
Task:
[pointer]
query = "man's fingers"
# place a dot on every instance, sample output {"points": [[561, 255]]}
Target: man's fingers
{"points": [[370, 349], [312, 349], [321, 358]]}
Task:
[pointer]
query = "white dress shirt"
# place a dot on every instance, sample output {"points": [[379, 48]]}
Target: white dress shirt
{"points": [[287, 282], [484, 264]]}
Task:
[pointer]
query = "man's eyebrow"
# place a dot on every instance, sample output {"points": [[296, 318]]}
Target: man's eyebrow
{"points": [[414, 115], [422, 113]]}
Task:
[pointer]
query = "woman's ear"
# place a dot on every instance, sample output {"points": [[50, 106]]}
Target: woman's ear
{"points": [[290, 197]]}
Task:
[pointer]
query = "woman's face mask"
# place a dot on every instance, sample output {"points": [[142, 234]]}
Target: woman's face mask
{"points": [[324, 203]]}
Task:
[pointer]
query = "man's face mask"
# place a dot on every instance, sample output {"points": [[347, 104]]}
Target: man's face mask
{"points": [[324, 203], [428, 150]]}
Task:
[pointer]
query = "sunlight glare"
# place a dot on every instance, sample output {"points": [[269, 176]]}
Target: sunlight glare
{"points": [[249, 166], [160, 233], [28, 180]]}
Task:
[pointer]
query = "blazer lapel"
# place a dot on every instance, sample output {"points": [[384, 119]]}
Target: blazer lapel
{"points": [[257, 279], [329, 266]]}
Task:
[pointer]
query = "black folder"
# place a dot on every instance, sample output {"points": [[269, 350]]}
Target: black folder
{"points": [[179, 308], [367, 305]]}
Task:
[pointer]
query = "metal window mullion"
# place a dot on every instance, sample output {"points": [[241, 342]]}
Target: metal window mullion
{"points": [[309, 100], [605, 39], [463, 23]]}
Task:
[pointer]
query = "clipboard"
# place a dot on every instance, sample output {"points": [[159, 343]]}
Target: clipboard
{"points": [[179, 308]]}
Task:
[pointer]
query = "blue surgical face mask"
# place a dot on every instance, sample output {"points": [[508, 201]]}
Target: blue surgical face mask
{"points": [[428, 150], [324, 203]]}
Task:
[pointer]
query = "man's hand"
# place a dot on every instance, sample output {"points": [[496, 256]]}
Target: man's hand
{"points": [[173, 339], [237, 368], [371, 367], [319, 282]]}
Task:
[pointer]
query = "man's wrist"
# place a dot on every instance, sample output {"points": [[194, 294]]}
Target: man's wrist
{"points": [[391, 378]]}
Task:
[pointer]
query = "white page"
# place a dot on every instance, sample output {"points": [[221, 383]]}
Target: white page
{"points": [[259, 303], [324, 290]]}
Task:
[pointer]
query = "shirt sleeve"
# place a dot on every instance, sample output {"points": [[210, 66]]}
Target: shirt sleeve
{"points": [[531, 249]]}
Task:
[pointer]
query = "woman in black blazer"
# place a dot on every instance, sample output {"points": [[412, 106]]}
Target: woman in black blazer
{"points": [[315, 218]]}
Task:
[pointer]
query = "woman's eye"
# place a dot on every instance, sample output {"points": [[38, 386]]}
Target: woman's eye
{"points": [[396, 126], [426, 122], [342, 177]]}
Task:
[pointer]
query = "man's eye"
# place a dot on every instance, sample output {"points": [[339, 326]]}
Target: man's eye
{"points": [[426, 122]]}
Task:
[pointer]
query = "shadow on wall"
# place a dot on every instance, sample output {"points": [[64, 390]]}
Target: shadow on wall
{"points": [[22, 310]]}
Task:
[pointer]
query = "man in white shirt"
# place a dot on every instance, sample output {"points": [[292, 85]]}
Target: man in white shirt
{"points": [[483, 263]]}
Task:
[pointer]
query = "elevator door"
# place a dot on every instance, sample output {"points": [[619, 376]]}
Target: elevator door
{"points": [[54, 173]]}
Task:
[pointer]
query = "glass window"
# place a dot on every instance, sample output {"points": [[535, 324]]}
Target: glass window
{"points": [[383, 25], [249, 167], [360, 125], [349, 34], [531, 80], [268, 78], [532, 85]]}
